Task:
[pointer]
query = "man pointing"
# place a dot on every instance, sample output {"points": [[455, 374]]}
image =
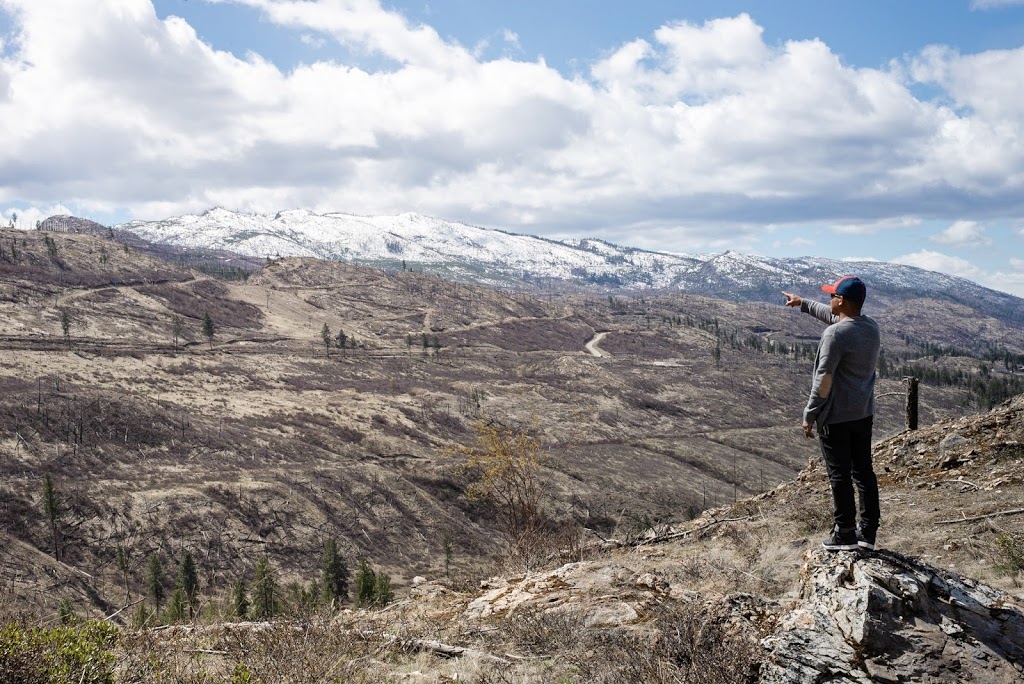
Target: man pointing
{"points": [[842, 406]]}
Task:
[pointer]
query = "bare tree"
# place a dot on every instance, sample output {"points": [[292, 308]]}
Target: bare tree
{"points": [[51, 508]]}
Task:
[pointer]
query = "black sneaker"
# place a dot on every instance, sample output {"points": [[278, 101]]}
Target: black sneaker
{"points": [[866, 539], [841, 541]]}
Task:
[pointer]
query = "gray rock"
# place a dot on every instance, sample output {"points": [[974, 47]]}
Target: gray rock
{"points": [[885, 617], [951, 442]]}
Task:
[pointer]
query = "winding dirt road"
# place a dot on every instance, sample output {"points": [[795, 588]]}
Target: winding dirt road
{"points": [[592, 347]]}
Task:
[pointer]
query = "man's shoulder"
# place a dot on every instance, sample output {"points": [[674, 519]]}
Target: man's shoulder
{"points": [[870, 322], [855, 327]]}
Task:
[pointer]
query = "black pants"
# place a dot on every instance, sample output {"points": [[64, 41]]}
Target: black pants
{"points": [[847, 451]]}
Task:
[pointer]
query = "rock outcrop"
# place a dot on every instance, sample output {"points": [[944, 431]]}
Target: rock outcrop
{"points": [[884, 617]]}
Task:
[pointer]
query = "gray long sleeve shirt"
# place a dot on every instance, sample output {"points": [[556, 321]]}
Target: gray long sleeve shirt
{"points": [[843, 383]]}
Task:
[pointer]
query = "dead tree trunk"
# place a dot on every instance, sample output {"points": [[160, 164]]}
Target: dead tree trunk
{"points": [[911, 405]]}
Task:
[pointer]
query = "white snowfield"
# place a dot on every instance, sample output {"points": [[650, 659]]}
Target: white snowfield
{"points": [[487, 255]]}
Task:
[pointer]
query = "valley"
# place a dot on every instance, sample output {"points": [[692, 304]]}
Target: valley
{"points": [[263, 440]]}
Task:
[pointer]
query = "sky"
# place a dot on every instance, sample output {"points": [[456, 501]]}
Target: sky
{"points": [[889, 130]]}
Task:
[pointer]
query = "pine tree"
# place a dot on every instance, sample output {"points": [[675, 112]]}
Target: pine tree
{"points": [[325, 335], [178, 328], [65, 325], [342, 338], [366, 584], [208, 329], [239, 600], [51, 509], [382, 592], [264, 591], [155, 580], [334, 574], [177, 609], [188, 582]]}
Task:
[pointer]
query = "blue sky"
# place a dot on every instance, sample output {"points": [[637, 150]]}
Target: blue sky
{"points": [[883, 130]]}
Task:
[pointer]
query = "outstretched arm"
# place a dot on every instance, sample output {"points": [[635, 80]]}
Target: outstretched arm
{"points": [[822, 312]]}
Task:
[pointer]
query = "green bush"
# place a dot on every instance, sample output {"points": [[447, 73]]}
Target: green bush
{"points": [[71, 654], [1011, 553]]}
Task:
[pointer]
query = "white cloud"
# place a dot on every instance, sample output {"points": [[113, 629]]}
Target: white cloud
{"points": [[876, 226], [1005, 281], [697, 125], [312, 41], [994, 4], [26, 217], [1008, 281], [795, 242], [942, 263], [512, 39], [963, 234]]}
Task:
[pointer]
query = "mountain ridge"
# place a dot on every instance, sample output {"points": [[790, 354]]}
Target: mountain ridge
{"points": [[495, 257]]}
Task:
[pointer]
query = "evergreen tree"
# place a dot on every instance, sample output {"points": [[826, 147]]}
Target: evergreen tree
{"points": [[188, 582], [65, 325], [51, 508], [342, 338], [366, 584], [142, 616], [208, 329], [382, 592], [373, 589], [264, 591], [239, 600], [178, 328], [177, 609], [334, 574], [325, 335], [155, 580]]}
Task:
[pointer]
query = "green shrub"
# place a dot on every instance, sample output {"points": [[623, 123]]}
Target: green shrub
{"points": [[71, 654], [1011, 553]]}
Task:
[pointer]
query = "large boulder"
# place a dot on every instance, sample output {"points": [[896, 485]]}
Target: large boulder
{"points": [[885, 617]]}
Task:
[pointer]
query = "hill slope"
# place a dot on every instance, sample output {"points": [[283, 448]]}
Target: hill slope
{"points": [[493, 257], [263, 441]]}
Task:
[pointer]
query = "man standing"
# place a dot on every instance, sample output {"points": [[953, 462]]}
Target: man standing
{"points": [[842, 405]]}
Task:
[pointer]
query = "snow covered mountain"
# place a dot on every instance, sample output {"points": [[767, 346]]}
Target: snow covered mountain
{"points": [[494, 257]]}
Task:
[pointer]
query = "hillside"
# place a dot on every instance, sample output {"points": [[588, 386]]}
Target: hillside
{"points": [[262, 441], [484, 256]]}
